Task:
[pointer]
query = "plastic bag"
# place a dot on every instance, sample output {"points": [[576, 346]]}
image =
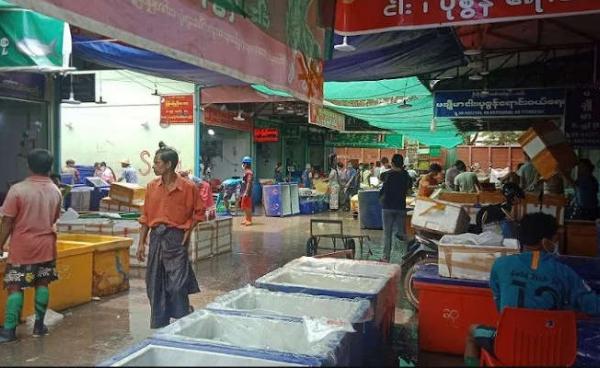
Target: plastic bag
{"points": [[52, 318], [488, 238], [319, 328]]}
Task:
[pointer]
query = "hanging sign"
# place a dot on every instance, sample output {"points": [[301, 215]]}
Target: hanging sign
{"points": [[177, 109], [266, 135], [326, 118], [582, 117], [362, 140], [374, 16], [499, 103], [226, 119], [32, 42], [209, 36]]}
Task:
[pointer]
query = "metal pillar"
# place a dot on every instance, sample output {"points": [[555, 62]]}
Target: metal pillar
{"points": [[198, 130]]}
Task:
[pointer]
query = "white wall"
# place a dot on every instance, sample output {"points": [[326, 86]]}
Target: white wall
{"points": [[114, 131]]}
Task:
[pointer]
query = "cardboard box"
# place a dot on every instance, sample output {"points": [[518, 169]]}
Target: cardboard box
{"points": [[128, 193], [443, 217], [552, 204], [548, 149], [473, 262]]}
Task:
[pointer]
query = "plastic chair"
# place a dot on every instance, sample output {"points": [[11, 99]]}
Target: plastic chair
{"points": [[528, 337]]}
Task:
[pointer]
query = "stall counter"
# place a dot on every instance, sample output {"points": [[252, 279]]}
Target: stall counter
{"points": [[448, 307]]}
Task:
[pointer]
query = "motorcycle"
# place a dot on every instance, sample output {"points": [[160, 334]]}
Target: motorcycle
{"points": [[423, 249]]}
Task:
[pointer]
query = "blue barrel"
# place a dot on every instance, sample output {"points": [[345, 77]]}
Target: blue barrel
{"points": [[369, 210]]}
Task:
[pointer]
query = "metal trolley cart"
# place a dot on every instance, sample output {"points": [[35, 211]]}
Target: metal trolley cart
{"points": [[347, 242]]}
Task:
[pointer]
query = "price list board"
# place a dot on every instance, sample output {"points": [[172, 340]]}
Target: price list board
{"points": [[582, 118]]}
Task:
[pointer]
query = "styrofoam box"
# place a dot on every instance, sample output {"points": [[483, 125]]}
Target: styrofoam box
{"points": [[336, 266], [156, 353], [201, 241], [262, 302], [223, 235], [472, 262], [270, 337], [443, 217], [375, 289]]}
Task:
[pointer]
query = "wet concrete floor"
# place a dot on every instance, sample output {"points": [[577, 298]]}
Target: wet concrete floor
{"points": [[90, 333]]}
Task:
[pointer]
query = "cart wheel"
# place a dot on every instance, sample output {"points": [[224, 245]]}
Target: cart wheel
{"points": [[311, 246], [350, 244]]}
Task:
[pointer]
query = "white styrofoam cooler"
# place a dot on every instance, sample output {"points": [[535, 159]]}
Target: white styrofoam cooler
{"points": [[156, 353], [269, 337], [375, 289], [339, 266], [443, 217], [472, 262]]}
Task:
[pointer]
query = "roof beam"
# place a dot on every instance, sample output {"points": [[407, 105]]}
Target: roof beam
{"points": [[572, 29]]}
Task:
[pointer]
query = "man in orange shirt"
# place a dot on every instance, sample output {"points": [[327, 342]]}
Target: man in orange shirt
{"points": [[431, 180], [30, 211], [171, 211]]}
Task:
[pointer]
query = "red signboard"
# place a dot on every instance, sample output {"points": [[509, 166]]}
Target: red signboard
{"points": [[226, 119], [266, 135], [177, 109], [360, 16], [203, 34]]}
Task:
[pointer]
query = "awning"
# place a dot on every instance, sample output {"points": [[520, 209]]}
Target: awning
{"points": [[116, 55], [32, 42]]}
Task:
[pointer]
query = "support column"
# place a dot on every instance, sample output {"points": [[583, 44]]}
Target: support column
{"points": [[198, 130], [54, 120]]}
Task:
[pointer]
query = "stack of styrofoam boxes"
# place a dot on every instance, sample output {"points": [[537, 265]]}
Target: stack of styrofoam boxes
{"points": [[208, 238], [331, 321], [348, 279]]}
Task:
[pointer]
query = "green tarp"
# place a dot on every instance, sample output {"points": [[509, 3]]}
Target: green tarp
{"points": [[413, 119]]}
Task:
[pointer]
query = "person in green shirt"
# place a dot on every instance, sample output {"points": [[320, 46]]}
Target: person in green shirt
{"points": [[467, 182]]}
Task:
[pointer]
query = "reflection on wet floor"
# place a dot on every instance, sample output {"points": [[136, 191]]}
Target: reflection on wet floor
{"points": [[93, 332]]}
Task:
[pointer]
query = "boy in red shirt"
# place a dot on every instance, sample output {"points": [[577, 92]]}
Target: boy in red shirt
{"points": [[246, 202], [30, 212]]}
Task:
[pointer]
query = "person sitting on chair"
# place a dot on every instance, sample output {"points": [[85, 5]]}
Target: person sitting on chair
{"points": [[533, 279]]}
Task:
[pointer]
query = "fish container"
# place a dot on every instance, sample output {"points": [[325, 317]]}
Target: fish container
{"points": [[337, 266], [110, 272], [268, 337], [369, 210], [157, 353], [375, 289], [262, 302]]}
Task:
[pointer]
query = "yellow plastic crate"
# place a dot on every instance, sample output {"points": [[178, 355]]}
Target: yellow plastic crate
{"points": [[110, 261]]}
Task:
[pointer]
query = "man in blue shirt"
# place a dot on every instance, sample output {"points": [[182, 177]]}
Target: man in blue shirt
{"points": [[129, 174], [533, 279]]}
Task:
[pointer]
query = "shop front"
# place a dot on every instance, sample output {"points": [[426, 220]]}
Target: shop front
{"points": [[226, 139]]}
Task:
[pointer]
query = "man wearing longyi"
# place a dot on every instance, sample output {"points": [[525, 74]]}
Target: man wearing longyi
{"points": [[171, 210]]}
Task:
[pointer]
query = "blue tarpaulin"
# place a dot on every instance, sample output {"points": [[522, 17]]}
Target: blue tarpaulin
{"points": [[395, 54], [379, 56], [115, 55]]}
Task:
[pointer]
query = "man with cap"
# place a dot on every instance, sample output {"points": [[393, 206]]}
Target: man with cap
{"points": [[129, 174]]}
